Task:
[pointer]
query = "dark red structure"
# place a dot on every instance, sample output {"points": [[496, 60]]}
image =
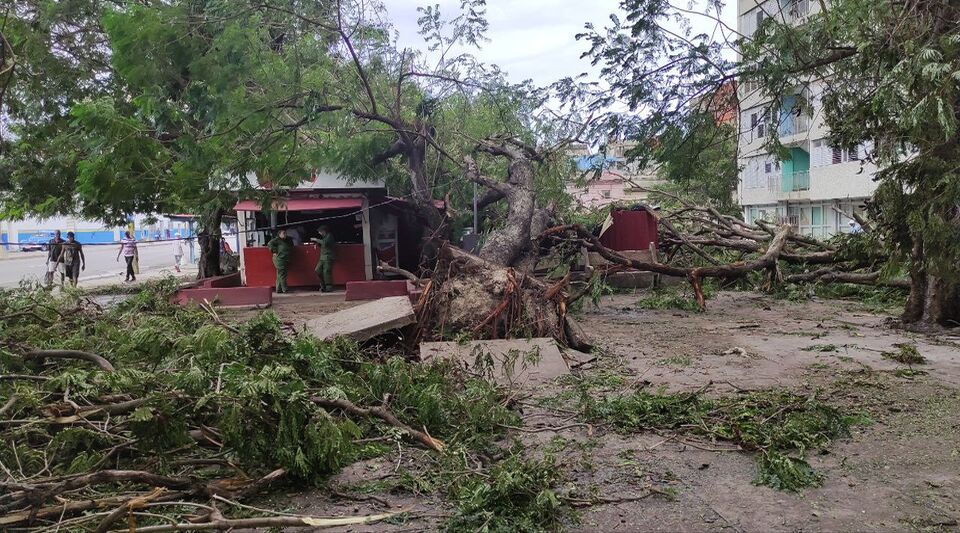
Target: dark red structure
{"points": [[631, 230]]}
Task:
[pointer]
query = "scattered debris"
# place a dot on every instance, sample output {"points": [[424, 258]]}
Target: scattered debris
{"points": [[736, 350], [907, 354], [514, 361]]}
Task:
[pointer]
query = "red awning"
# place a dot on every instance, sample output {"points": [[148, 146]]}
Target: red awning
{"points": [[303, 204]]}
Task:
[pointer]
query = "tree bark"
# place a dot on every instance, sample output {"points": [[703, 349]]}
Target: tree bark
{"points": [[209, 242], [933, 299]]}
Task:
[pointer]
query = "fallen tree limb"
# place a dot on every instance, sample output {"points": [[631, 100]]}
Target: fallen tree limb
{"points": [[383, 267], [832, 275], [383, 414], [269, 522], [694, 275], [71, 354]]}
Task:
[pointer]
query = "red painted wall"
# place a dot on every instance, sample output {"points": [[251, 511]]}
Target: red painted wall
{"points": [[631, 230], [258, 266]]}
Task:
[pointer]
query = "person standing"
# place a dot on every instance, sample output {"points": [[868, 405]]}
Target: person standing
{"points": [[281, 247], [328, 254], [177, 251], [128, 248], [54, 265], [71, 255]]}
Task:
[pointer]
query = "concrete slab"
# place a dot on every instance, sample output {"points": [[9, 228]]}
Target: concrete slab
{"points": [[513, 362], [365, 321]]}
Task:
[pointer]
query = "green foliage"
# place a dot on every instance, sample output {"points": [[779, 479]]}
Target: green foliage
{"points": [[517, 495], [698, 159], [781, 426], [675, 297], [821, 348], [249, 391], [906, 354]]}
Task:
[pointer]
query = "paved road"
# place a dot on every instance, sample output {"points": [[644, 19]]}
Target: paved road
{"points": [[101, 263]]}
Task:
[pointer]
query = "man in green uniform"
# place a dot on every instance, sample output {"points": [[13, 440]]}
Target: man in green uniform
{"points": [[281, 247], [328, 253]]}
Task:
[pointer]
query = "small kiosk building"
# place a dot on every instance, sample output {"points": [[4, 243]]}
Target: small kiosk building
{"points": [[368, 226]]}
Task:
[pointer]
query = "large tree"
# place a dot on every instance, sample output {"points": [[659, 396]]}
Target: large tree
{"points": [[180, 103]]}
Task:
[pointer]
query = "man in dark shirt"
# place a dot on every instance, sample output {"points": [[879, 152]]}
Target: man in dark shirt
{"points": [[281, 247], [71, 255], [54, 265]]}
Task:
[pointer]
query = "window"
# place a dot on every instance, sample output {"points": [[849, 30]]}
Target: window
{"points": [[759, 17], [768, 167], [852, 154], [837, 156], [605, 193]]}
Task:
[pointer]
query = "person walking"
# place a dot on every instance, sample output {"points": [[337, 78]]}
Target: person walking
{"points": [[281, 247], [128, 248], [328, 254], [177, 251], [71, 255], [54, 265]]}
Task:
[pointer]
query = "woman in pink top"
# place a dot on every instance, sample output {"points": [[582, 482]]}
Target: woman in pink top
{"points": [[128, 248]]}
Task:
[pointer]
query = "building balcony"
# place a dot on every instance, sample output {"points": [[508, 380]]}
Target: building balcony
{"points": [[794, 125], [798, 10], [797, 186]]}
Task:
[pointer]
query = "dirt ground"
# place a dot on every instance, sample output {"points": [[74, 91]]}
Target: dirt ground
{"points": [[898, 472]]}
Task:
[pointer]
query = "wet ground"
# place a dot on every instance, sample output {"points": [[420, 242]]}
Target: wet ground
{"points": [[899, 471]]}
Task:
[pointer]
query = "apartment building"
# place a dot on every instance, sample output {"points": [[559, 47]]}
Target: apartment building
{"points": [[817, 186]]}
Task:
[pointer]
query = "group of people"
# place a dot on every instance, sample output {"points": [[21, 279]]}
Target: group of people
{"points": [[281, 247], [65, 257]]}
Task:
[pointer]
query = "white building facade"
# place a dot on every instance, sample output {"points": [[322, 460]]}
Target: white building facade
{"points": [[818, 186]]}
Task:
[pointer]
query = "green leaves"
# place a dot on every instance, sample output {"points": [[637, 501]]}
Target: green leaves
{"points": [[781, 426]]}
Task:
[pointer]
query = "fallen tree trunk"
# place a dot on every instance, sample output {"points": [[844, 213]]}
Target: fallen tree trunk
{"points": [[694, 274], [473, 295]]}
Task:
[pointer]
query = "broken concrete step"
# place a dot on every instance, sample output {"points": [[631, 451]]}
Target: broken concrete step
{"points": [[365, 321]]}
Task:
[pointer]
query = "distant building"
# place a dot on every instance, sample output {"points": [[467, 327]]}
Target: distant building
{"points": [[13, 233], [817, 186], [609, 178], [722, 103]]}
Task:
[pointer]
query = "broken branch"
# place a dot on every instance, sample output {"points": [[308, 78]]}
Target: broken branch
{"points": [[383, 414], [70, 354]]}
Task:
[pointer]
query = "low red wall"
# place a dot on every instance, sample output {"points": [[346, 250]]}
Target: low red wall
{"points": [[230, 280], [373, 290], [258, 266]]}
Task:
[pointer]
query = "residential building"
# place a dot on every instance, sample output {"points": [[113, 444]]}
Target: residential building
{"points": [[609, 178], [817, 186]]}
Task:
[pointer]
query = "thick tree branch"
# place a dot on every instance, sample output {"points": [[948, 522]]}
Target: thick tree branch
{"points": [[70, 354]]}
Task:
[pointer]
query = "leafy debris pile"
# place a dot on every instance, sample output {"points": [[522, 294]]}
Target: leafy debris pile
{"points": [[153, 413], [781, 426]]}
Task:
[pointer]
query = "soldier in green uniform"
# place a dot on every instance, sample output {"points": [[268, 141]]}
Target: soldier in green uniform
{"points": [[328, 253], [281, 247]]}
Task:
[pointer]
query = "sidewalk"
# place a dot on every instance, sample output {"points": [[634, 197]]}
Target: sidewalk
{"points": [[189, 271]]}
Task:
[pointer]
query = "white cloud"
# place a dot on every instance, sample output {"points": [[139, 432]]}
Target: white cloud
{"points": [[531, 39]]}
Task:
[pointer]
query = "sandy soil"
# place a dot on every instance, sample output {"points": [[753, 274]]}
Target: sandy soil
{"points": [[899, 473]]}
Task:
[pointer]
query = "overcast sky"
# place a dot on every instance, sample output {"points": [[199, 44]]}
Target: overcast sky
{"points": [[531, 39]]}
